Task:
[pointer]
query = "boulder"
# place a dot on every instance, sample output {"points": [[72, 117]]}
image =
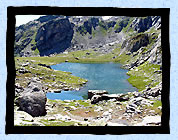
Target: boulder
{"points": [[23, 116], [34, 86], [44, 65], [23, 70], [25, 64], [95, 99], [87, 53], [122, 97], [91, 93], [76, 58], [51, 119], [66, 89], [57, 91], [109, 96], [33, 103], [154, 92], [128, 53], [106, 113]]}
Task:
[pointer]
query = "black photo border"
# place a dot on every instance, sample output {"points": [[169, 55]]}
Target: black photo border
{"points": [[87, 11]]}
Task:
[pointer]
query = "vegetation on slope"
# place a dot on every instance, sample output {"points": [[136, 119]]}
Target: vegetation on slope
{"points": [[50, 78]]}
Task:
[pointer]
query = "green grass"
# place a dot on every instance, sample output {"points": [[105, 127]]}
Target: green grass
{"points": [[144, 75], [123, 58], [128, 25], [154, 107], [85, 104], [36, 52], [139, 82], [93, 57], [157, 103], [47, 74]]}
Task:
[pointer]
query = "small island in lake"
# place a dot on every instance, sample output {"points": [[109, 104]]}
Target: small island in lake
{"points": [[88, 71]]}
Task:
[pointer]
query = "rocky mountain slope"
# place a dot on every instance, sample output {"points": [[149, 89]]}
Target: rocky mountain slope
{"points": [[55, 34]]}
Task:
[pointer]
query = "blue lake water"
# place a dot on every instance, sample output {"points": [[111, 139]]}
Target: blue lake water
{"points": [[105, 76]]}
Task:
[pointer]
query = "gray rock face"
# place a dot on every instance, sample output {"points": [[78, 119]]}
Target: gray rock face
{"points": [[32, 99], [33, 103], [55, 36], [101, 95], [133, 44], [154, 92], [18, 89], [143, 24], [91, 93]]}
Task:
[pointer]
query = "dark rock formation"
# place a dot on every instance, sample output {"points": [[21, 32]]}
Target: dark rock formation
{"points": [[44, 65], [32, 99], [100, 95], [91, 93], [144, 23], [95, 99], [23, 70], [133, 44], [55, 36], [33, 103], [88, 25]]}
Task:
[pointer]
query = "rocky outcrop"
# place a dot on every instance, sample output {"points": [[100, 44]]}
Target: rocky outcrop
{"points": [[34, 104], [88, 25], [95, 99], [144, 98], [91, 93], [100, 95], [133, 44], [144, 23], [44, 65], [33, 99], [54, 37]]}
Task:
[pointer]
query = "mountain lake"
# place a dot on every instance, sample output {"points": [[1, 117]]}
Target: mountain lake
{"points": [[100, 76]]}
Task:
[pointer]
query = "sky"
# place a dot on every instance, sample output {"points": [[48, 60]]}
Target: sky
{"points": [[23, 19]]}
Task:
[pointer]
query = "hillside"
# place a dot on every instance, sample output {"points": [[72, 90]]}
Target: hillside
{"points": [[131, 41], [55, 34]]}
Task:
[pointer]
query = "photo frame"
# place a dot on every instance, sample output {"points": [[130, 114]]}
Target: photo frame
{"points": [[85, 11]]}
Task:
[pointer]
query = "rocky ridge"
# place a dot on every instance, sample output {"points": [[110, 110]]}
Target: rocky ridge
{"points": [[55, 34]]}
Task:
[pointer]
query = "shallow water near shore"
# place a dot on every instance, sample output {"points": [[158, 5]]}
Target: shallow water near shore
{"points": [[100, 76]]}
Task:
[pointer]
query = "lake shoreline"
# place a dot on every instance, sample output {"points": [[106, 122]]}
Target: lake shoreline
{"points": [[127, 107], [108, 71]]}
